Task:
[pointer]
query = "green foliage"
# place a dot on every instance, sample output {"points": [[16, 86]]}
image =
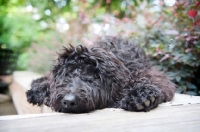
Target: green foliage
{"points": [[17, 28], [176, 52]]}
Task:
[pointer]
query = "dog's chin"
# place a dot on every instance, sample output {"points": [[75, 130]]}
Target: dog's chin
{"points": [[78, 110]]}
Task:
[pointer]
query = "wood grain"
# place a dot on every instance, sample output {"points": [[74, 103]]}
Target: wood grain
{"points": [[184, 118], [21, 83], [180, 115], [20, 100]]}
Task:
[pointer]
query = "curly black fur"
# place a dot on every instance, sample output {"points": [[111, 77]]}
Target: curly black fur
{"points": [[113, 73]]}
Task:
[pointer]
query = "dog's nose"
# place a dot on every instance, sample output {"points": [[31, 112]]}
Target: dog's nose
{"points": [[69, 101]]}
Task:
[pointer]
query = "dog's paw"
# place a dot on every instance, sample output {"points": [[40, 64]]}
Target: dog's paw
{"points": [[35, 97], [142, 99]]}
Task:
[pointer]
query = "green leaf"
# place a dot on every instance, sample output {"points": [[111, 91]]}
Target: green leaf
{"points": [[178, 79], [191, 86], [135, 2], [198, 48], [148, 1], [191, 93]]}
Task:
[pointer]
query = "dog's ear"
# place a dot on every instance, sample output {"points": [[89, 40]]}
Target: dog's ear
{"points": [[108, 65], [39, 91]]}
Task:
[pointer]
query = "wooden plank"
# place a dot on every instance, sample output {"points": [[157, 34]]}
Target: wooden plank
{"points": [[4, 98], [20, 100], [182, 99], [7, 108], [181, 114], [21, 83], [23, 79], [184, 118]]}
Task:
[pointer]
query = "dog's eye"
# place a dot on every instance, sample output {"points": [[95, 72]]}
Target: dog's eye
{"points": [[96, 85], [62, 85], [82, 90]]}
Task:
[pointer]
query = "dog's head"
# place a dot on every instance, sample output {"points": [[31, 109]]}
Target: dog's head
{"points": [[83, 80]]}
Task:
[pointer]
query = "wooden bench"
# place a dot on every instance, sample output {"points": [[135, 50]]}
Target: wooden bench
{"points": [[21, 83], [182, 114]]}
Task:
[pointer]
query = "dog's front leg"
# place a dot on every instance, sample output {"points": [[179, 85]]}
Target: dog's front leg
{"points": [[39, 92], [141, 95]]}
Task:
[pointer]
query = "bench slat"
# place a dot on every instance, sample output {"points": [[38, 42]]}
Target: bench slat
{"points": [[175, 118]]}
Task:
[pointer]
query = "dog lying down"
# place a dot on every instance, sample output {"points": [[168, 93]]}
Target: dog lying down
{"points": [[114, 73]]}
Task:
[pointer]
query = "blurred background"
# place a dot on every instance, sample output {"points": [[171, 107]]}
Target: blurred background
{"points": [[31, 31]]}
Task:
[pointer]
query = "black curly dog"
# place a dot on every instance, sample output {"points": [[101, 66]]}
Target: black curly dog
{"points": [[114, 73]]}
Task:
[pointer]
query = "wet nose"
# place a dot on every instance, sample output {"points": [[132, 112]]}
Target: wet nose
{"points": [[69, 101]]}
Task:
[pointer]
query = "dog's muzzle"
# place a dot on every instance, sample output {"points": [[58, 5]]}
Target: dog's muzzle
{"points": [[70, 101]]}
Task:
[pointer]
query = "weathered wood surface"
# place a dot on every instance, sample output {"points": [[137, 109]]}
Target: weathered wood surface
{"points": [[180, 115], [4, 98], [23, 79], [184, 118], [20, 100], [21, 83], [6, 105]]}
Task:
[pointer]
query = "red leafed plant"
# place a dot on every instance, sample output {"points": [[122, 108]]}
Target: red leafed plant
{"points": [[192, 13], [178, 55]]}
